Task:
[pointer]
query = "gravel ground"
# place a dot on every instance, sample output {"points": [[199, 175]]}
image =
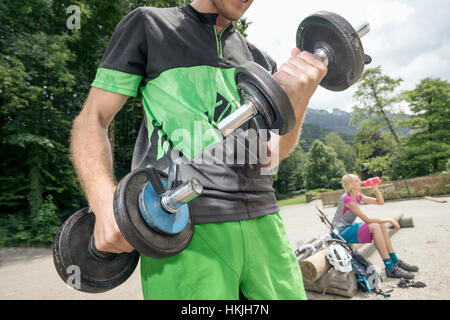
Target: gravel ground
{"points": [[29, 273]]}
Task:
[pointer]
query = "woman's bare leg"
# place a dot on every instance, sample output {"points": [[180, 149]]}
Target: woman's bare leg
{"points": [[387, 238], [378, 239]]}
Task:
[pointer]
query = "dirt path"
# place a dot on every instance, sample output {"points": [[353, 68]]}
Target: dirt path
{"points": [[30, 274]]}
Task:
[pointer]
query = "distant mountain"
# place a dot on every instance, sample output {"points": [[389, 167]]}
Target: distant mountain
{"points": [[337, 120], [318, 123]]}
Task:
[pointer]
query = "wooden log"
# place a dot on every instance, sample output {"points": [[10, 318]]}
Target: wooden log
{"points": [[334, 282], [315, 266], [406, 222], [436, 199], [396, 215]]}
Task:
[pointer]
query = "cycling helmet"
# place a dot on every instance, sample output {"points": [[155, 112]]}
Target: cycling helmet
{"points": [[339, 258]]}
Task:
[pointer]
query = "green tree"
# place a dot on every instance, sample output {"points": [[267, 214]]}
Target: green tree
{"points": [[378, 106], [373, 147], [45, 76], [344, 152], [427, 148], [242, 25], [36, 98], [289, 176], [322, 169], [376, 99]]}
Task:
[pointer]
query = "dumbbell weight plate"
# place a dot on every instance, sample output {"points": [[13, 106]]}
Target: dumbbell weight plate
{"points": [[347, 63], [254, 82], [133, 226], [156, 217], [71, 254]]}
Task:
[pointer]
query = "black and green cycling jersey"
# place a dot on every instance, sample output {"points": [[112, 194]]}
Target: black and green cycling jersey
{"points": [[184, 70]]}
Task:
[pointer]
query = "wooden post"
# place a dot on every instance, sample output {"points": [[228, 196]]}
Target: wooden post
{"points": [[315, 266], [396, 215], [436, 199], [406, 222]]}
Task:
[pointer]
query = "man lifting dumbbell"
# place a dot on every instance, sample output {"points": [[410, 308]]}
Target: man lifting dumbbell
{"points": [[168, 54]]}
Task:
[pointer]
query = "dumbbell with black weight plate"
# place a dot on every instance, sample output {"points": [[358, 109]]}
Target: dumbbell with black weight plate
{"points": [[155, 222], [325, 34], [336, 43], [262, 99], [152, 215], [81, 265]]}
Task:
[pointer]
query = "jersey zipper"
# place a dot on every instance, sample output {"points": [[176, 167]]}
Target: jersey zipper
{"points": [[219, 40]]}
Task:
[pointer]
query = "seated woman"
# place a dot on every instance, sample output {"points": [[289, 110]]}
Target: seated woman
{"points": [[369, 230]]}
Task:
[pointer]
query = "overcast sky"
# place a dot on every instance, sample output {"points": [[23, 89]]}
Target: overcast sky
{"points": [[408, 39]]}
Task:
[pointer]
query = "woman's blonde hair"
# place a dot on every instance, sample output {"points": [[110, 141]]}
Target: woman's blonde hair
{"points": [[347, 181]]}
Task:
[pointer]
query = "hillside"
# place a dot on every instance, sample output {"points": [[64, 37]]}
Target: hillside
{"points": [[338, 120], [319, 123], [311, 132]]}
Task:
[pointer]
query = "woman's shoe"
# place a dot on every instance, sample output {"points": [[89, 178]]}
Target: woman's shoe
{"points": [[398, 273], [407, 267]]}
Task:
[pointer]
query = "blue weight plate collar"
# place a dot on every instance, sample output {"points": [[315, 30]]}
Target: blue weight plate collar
{"points": [[156, 217]]}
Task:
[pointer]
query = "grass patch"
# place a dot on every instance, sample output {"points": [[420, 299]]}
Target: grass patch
{"points": [[301, 199]]}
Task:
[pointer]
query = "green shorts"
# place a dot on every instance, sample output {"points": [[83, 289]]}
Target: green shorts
{"points": [[252, 256]]}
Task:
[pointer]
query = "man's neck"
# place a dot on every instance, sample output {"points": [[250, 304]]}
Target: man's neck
{"points": [[208, 7]]}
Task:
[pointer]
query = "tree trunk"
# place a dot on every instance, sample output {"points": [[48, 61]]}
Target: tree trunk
{"points": [[388, 122], [34, 196], [385, 117]]}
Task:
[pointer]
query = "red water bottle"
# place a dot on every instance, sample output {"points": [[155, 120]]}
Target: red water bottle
{"points": [[371, 181]]}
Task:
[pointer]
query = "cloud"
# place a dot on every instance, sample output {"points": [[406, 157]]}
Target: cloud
{"points": [[384, 14], [408, 39], [432, 63]]}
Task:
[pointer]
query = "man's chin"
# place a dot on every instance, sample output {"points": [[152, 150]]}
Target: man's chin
{"points": [[234, 17]]}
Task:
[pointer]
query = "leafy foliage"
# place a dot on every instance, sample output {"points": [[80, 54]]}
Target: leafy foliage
{"points": [[36, 98], [427, 148], [312, 132], [374, 149], [344, 152], [375, 99], [380, 150], [290, 176], [45, 75], [322, 169]]}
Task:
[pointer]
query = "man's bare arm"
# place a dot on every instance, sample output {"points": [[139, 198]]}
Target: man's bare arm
{"points": [[299, 77], [92, 158]]}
